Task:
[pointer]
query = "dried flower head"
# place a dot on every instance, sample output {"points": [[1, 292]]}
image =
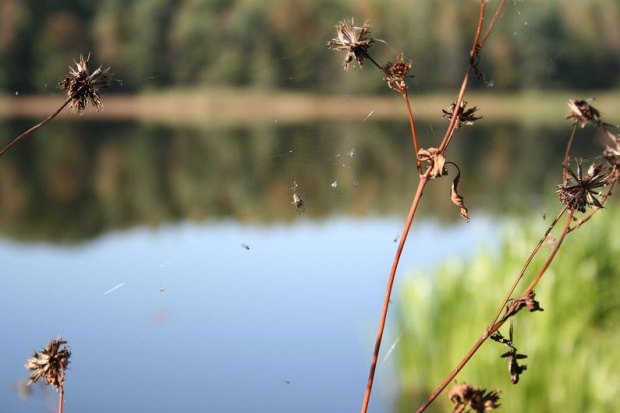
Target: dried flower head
{"points": [[583, 113], [580, 191], [465, 116], [51, 364], [81, 85], [465, 396], [397, 73], [354, 40]]}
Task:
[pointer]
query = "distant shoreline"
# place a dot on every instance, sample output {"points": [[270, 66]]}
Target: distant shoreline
{"points": [[239, 107]]}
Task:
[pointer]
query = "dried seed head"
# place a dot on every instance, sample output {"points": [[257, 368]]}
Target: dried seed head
{"points": [[51, 364], [354, 40], [579, 192], [582, 113], [465, 117], [464, 395], [81, 85], [397, 73]]}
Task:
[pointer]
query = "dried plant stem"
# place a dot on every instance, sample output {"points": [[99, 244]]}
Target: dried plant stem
{"points": [[414, 136], [35, 127], [497, 324], [494, 19], [386, 302], [569, 145], [61, 398], [525, 266], [556, 247], [475, 49]]}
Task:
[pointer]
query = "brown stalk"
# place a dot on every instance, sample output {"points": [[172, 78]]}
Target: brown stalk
{"points": [[494, 19], [475, 49], [386, 302], [569, 145], [61, 398], [525, 266], [556, 247], [413, 133], [405, 96], [35, 127]]}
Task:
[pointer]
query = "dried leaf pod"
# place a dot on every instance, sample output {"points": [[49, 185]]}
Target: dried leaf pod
{"points": [[436, 160]]}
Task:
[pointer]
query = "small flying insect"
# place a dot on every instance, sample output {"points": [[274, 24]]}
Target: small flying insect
{"points": [[246, 246], [298, 201]]}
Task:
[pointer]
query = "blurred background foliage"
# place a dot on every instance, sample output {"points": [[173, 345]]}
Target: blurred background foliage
{"points": [[572, 345], [280, 44]]}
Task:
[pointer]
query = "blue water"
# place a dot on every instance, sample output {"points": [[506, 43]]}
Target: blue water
{"points": [[195, 322]]}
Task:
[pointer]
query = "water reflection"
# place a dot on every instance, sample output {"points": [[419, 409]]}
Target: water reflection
{"points": [[77, 180]]}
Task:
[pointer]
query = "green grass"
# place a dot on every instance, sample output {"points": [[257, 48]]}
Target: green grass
{"points": [[572, 345]]}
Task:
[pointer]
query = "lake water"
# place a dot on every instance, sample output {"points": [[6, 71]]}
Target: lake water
{"points": [[174, 263]]}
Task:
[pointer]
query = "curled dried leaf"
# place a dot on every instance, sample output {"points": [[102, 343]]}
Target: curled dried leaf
{"points": [[518, 303], [456, 198], [436, 160]]}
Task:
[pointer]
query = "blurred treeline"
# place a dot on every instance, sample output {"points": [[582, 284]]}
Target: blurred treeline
{"points": [[281, 43]]}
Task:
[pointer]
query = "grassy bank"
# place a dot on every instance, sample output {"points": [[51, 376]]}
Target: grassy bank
{"points": [[571, 346]]}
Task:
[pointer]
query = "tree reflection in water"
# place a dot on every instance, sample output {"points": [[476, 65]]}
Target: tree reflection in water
{"points": [[83, 178]]}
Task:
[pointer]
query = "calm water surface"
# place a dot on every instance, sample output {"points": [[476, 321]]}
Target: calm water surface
{"points": [[174, 263]]}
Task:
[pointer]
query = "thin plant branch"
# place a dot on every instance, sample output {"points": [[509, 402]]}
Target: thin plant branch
{"points": [[61, 399], [475, 50], [549, 260], [569, 146], [414, 136], [424, 178], [519, 277], [494, 19], [35, 127], [496, 325]]}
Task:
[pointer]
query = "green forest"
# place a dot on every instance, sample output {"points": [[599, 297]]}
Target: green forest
{"points": [[280, 44]]}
